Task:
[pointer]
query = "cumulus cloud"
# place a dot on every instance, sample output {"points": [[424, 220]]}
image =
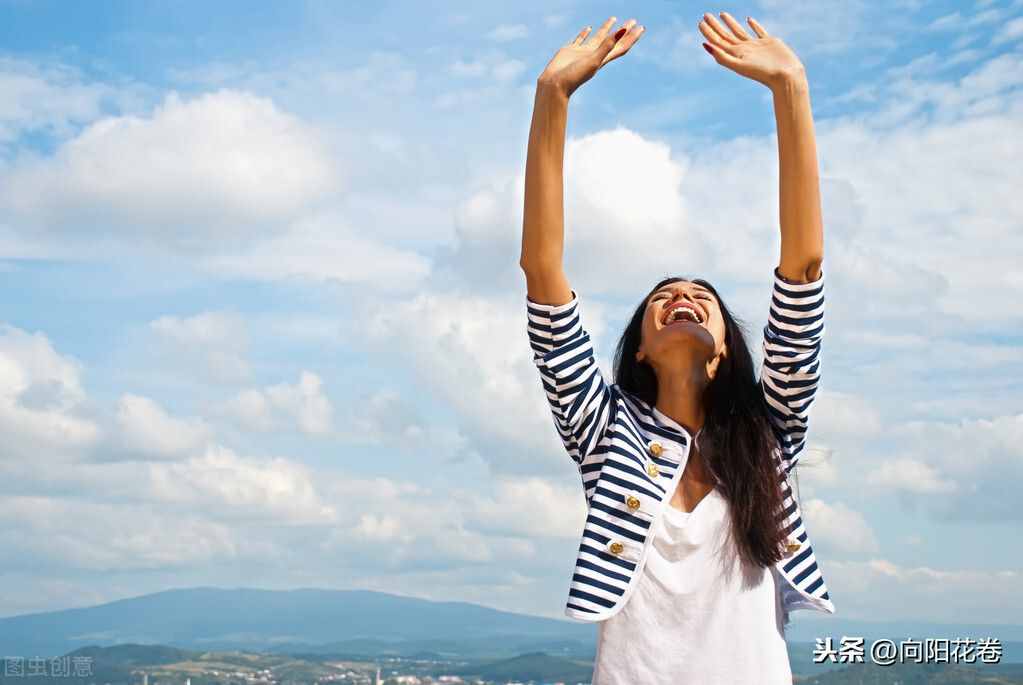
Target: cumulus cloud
{"points": [[246, 488], [841, 413], [865, 589], [508, 32], [975, 464], [196, 175], [410, 532], [52, 99], [389, 417], [216, 342], [839, 529], [321, 249], [495, 67], [616, 183], [75, 534], [530, 507], [910, 475], [473, 352], [303, 404], [43, 408], [146, 428]]}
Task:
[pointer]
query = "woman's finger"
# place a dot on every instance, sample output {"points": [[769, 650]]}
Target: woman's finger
{"points": [[723, 57], [713, 37], [627, 40], [715, 25], [601, 33], [735, 26], [761, 31], [582, 35]]}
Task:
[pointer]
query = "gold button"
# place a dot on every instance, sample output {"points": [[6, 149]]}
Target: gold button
{"points": [[656, 448], [616, 547], [652, 469], [792, 547], [632, 501]]}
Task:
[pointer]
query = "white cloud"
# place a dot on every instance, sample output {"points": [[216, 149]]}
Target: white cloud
{"points": [[53, 99], [983, 457], [839, 528], [196, 175], [70, 534], [817, 465], [955, 21], [43, 406], [389, 417], [473, 69], [910, 475], [530, 507], [304, 404], [813, 28], [217, 341], [383, 528], [219, 480], [147, 428], [473, 352], [508, 70], [1011, 30], [842, 413], [508, 32], [616, 184], [321, 249], [865, 590]]}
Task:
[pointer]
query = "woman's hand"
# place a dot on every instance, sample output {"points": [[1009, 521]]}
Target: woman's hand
{"points": [[576, 63], [763, 58]]}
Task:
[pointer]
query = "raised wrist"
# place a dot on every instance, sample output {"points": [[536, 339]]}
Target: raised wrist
{"points": [[548, 90], [792, 82]]}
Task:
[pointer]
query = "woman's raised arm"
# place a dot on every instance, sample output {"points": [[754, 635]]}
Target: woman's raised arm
{"points": [[767, 59], [795, 325], [543, 218]]}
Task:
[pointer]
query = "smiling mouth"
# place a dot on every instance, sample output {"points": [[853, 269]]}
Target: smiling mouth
{"points": [[682, 314]]}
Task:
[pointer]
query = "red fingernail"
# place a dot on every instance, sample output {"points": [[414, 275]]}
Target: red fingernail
{"points": [[707, 48]]}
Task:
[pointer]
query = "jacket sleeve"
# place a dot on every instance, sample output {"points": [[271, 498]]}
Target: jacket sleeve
{"points": [[791, 369], [580, 400]]}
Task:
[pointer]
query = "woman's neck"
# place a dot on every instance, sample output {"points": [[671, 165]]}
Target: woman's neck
{"points": [[680, 396]]}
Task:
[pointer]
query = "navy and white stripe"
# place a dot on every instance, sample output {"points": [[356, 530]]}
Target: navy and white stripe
{"points": [[791, 369], [625, 448]]}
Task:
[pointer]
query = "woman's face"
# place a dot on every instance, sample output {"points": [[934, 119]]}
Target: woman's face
{"points": [[682, 324]]}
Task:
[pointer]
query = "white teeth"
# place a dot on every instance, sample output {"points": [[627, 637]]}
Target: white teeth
{"points": [[683, 313]]}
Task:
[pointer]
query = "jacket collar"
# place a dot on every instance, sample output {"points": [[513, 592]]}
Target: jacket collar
{"points": [[663, 425], [670, 425]]}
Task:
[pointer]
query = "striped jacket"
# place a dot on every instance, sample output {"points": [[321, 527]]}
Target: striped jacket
{"points": [[631, 456]]}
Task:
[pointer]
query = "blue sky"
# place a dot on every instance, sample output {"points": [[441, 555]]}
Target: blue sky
{"points": [[263, 323]]}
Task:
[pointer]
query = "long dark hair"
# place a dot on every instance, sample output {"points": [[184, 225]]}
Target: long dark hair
{"points": [[736, 440]]}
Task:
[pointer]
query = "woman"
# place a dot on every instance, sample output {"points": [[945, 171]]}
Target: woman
{"points": [[694, 550]]}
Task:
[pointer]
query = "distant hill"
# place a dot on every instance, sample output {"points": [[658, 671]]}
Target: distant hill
{"points": [[537, 666], [367, 624], [124, 665], [283, 620], [106, 665], [132, 655]]}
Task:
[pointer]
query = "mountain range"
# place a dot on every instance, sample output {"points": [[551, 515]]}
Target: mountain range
{"points": [[366, 622]]}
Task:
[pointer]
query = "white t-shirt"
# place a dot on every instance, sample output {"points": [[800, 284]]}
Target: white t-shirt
{"points": [[698, 613]]}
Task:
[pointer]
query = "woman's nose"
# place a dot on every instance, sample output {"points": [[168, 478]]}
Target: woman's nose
{"points": [[682, 294]]}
